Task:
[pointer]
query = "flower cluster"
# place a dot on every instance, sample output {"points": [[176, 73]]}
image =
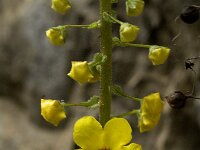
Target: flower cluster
{"points": [[114, 133]]}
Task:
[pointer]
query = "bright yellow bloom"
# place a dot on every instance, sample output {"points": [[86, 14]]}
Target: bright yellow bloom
{"points": [[134, 7], [52, 111], [81, 73], [151, 108], [158, 54], [116, 134], [128, 32], [60, 6], [56, 36]]}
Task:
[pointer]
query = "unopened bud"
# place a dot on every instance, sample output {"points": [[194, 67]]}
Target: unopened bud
{"points": [[128, 32], [56, 36], [190, 14], [158, 54], [176, 99], [61, 6], [134, 7]]}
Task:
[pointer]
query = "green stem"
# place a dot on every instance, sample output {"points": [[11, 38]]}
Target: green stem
{"points": [[113, 18], [133, 45], [66, 104], [132, 112], [106, 69], [76, 26]]}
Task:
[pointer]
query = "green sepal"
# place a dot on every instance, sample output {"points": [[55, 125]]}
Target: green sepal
{"points": [[116, 41], [95, 24], [107, 17], [93, 102], [98, 60]]}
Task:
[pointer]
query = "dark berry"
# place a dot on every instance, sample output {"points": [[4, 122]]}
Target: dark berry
{"points": [[190, 14], [176, 99]]}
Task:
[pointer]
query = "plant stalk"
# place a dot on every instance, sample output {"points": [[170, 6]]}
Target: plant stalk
{"points": [[106, 69]]}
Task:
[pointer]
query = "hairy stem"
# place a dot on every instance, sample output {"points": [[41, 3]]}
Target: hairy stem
{"points": [[106, 69]]}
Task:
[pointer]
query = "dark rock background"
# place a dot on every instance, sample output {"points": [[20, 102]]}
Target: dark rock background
{"points": [[30, 68]]}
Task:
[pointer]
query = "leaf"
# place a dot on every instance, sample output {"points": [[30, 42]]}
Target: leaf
{"points": [[93, 102], [117, 90]]}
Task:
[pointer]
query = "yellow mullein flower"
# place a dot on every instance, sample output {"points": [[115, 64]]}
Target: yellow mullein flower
{"points": [[60, 6], [116, 134], [128, 32], [56, 36], [158, 54], [134, 7], [81, 73], [151, 107], [52, 111]]}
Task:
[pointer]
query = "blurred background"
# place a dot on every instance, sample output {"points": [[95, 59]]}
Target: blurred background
{"points": [[31, 68]]}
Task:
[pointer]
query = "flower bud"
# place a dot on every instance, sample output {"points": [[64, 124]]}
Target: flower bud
{"points": [[158, 54], [56, 36], [60, 6], [134, 7], [128, 32], [81, 73], [176, 99], [190, 14], [52, 111]]}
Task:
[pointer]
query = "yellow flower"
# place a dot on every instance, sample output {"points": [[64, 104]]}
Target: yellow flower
{"points": [[128, 32], [158, 54], [52, 111], [81, 73], [151, 108], [116, 134], [134, 7], [60, 6], [56, 36]]}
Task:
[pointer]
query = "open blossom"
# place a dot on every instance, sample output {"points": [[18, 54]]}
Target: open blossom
{"points": [[81, 73], [60, 6], [158, 54], [116, 134], [151, 108], [128, 32], [52, 111]]}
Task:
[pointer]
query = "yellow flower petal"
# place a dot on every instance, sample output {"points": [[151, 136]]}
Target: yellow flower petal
{"points": [[88, 133], [132, 146], [80, 72], [117, 132], [52, 111], [134, 7], [151, 109], [128, 32], [61, 6], [158, 54], [55, 36]]}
